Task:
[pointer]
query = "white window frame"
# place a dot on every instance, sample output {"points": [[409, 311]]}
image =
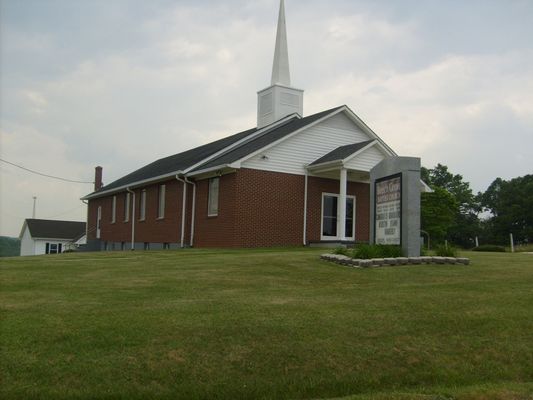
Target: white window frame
{"points": [[161, 202], [210, 198], [142, 205], [114, 209], [338, 237], [127, 201]]}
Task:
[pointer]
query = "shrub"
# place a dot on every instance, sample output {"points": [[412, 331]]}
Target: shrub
{"points": [[446, 251], [341, 250], [389, 251], [367, 251], [490, 247]]}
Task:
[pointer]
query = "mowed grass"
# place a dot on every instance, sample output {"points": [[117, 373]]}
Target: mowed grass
{"points": [[265, 324]]}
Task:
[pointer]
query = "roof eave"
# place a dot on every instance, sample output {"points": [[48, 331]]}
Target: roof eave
{"points": [[132, 185], [220, 167], [327, 164], [24, 226], [355, 118]]}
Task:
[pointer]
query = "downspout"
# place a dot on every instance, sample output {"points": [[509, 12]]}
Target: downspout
{"points": [[193, 212], [87, 224], [183, 210], [132, 220], [305, 208]]}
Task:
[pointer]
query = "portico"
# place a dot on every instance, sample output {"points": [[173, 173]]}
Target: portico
{"points": [[338, 211]]}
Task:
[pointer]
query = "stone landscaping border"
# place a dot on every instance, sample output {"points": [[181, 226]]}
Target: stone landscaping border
{"points": [[391, 262]]}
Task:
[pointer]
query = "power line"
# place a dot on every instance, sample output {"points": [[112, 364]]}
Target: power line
{"points": [[65, 212], [45, 175]]}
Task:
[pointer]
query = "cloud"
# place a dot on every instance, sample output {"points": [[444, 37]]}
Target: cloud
{"points": [[162, 77]]}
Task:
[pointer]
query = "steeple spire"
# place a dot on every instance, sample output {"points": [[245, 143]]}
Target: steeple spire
{"points": [[280, 99], [280, 70]]}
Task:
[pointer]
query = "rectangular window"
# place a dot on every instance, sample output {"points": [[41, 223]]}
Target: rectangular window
{"points": [[127, 207], [53, 248], [98, 220], [114, 209], [142, 205], [161, 205], [212, 209]]}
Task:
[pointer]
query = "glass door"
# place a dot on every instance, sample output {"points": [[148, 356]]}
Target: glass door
{"points": [[330, 216]]}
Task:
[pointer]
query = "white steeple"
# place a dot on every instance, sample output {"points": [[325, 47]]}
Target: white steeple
{"points": [[280, 99], [281, 74]]}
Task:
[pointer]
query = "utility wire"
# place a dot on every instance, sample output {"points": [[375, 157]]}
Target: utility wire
{"points": [[65, 212], [45, 175]]}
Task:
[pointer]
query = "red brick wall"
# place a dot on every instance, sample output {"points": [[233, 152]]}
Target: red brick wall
{"points": [[166, 230], [256, 209], [270, 208], [216, 231]]}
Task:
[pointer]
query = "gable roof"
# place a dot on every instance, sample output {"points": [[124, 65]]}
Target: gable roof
{"points": [[342, 152], [50, 229], [238, 146], [264, 140]]}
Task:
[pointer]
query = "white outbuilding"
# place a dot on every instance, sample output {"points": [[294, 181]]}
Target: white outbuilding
{"points": [[42, 236]]}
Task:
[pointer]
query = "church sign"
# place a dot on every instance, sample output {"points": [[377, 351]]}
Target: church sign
{"points": [[388, 210]]}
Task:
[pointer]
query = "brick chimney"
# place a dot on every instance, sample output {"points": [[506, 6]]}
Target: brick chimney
{"points": [[98, 179]]}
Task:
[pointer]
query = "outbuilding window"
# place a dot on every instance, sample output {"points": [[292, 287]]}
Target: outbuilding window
{"points": [[212, 208], [53, 248]]}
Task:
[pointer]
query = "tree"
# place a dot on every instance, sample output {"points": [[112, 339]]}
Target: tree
{"points": [[438, 211], [511, 206], [465, 225]]}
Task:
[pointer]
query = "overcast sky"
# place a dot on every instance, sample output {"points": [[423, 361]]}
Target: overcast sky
{"points": [[121, 83]]}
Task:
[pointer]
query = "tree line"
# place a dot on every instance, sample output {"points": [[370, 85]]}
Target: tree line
{"points": [[454, 213]]}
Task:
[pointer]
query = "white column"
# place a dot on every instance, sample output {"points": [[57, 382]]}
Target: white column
{"points": [[341, 221]]}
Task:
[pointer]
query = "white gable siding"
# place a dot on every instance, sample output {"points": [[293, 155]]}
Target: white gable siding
{"points": [[366, 160], [291, 155], [27, 244]]}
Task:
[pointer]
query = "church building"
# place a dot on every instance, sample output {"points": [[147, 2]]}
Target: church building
{"points": [[291, 180]]}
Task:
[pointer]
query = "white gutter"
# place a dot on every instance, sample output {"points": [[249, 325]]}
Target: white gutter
{"points": [[305, 208], [183, 210], [154, 179], [208, 170], [132, 219], [193, 212]]}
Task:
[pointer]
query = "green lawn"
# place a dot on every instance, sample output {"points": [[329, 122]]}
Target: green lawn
{"points": [[278, 324]]}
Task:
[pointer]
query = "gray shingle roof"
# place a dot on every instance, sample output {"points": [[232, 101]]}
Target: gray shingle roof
{"points": [[45, 228], [187, 159], [177, 162], [340, 153]]}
